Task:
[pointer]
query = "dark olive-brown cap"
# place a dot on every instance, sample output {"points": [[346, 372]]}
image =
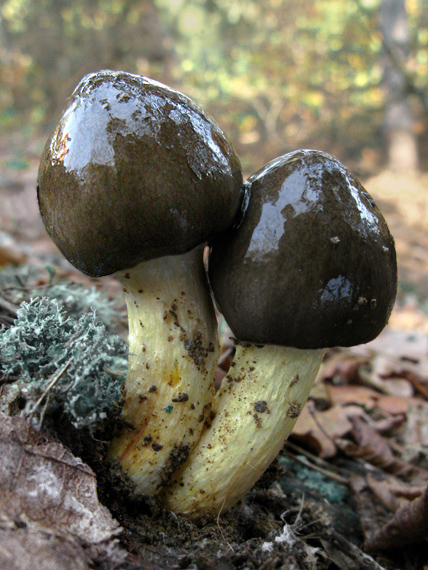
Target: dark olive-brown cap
{"points": [[133, 171], [312, 263]]}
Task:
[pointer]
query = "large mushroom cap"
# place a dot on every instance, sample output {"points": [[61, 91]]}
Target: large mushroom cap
{"points": [[312, 264], [134, 171]]}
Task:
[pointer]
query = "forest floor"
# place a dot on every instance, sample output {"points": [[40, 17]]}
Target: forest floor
{"points": [[349, 491]]}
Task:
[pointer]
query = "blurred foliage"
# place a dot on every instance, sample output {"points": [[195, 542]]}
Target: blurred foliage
{"points": [[75, 298], [276, 74]]}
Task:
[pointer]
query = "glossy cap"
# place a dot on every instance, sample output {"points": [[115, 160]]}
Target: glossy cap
{"points": [[312, 264], [133, 171]]}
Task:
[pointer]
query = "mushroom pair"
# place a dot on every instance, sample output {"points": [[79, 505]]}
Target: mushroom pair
{"points": [[135, 179], [312, 265]]}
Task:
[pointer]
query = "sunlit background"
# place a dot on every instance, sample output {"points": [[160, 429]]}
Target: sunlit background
{"points": [[276, 74]]}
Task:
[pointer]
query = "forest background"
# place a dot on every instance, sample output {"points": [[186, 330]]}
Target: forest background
{"points": [[349, 77]]}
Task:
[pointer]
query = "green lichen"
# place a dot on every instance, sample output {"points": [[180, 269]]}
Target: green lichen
{"points": [[312, 481], [62, 362], [77, 299]]}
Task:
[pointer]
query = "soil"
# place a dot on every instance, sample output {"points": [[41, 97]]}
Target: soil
{"points": [[296, 516]]}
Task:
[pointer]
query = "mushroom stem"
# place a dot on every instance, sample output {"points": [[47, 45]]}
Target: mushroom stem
{"points": [[173, 353], [256, 408]]}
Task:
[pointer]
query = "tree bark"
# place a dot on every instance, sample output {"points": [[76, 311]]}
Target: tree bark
{"points": [[400, 138]]}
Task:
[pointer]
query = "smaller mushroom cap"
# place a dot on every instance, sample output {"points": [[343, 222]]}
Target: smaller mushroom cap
{"points": [[133, 171], [312, 263]]}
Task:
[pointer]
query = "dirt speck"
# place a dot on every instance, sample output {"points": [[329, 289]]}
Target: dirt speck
{"points": [[182, 397], [294, 410], [261, 406]]}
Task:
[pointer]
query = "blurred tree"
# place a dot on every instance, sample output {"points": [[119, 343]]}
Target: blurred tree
{"points": [[401, 140], [46, 47], [276, 74], [282, 73]]}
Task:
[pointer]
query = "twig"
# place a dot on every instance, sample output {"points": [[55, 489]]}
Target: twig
{"points": [[6, 321], [325, 472], [311, 410], [58, 460], [10, 307], [54, 379], [299, 514], [315, 459], [353, 553]]}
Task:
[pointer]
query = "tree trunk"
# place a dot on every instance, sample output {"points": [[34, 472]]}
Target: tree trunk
{"points": [[401, 141]]}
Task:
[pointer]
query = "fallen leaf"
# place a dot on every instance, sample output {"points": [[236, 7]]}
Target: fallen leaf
{"points": [[320, 429], [394, 405], [351, 394], [380, 375], [419, 383], [416, 429], [408, 526], [10, 252], [389, 425], [400, 349], [41, 480], [347, 556], [392, 492], [372, 447], [342, 367]]}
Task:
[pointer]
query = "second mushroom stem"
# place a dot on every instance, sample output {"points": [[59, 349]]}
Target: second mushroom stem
{"points": [[173, 354], [256, 408]]}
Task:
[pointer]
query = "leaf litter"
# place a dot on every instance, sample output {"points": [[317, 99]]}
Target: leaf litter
{"points": [[349, 490]]}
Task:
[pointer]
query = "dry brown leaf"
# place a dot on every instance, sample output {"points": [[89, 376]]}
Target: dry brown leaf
{"points": [[343, 367], [35, 547], [347, 556], [408, 526], [389, 425], [360, 395], [370, 513], [394, 405], [375, 449], [392, 492], [320, 429], [400, 350], [10, 252], [416, 429], [381, 376], [369, 399], [43, 482], [419, 383]]}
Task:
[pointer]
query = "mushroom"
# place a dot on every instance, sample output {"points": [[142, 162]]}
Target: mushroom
{"points": [[133, 181], [312, 265]]}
